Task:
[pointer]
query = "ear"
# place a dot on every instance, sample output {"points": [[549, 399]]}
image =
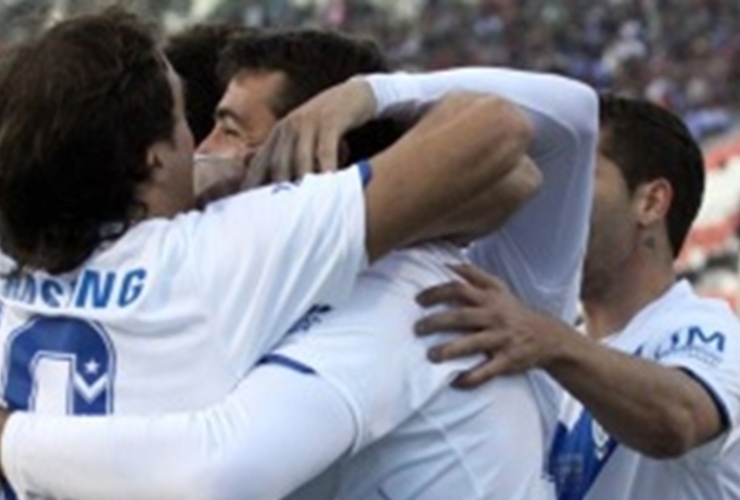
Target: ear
{"points": [[653, 201], [154, 156]]}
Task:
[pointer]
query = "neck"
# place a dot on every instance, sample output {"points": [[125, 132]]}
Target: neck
{"points": [[159, 205], [630, 288]]}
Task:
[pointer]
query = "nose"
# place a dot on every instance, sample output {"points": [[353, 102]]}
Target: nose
{"points": [[206, 147]]}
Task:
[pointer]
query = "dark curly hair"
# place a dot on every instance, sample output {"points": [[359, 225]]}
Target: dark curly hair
{"points": [[79, 107]]}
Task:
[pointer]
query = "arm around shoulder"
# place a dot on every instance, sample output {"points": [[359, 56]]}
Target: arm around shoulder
{"points": [[462, 146]]}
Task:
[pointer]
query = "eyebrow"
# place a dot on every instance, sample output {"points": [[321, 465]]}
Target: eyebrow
{"points": [[223, 113]]}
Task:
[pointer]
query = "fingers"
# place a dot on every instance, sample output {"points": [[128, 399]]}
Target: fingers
{"points": [[308, 139], [477, 277], [497, 366], [455, 320], [296, 147], [259, 167], [327, 150], [305, 157], [284, 156], [479, 343], [454, 292]]}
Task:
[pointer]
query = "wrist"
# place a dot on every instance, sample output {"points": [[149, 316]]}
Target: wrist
{"points": [[394, 93], [563, 347]]}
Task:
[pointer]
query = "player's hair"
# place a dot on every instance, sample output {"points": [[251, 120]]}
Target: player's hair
{"points": [[79, 107], [312, 62], [648, 142], [194, 55]]}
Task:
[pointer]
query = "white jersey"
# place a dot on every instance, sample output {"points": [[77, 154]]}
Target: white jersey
{"points": [[490, 443], [416, 438], [172, 315], [680, 330]]}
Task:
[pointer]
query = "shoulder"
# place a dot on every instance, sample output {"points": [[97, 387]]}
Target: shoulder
{"points": [[694, 326], [418, 267]]}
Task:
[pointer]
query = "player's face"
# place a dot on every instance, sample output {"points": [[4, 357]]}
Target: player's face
{"points": [[613, 227], [244, 119]]}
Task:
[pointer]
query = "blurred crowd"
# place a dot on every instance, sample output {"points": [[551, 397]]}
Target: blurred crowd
{"points": [[684, 54]]}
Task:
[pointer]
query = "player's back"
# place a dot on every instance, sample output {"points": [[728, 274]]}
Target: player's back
{"points": [[419, 437], [172, 314], [126, 332], [486, 445]]}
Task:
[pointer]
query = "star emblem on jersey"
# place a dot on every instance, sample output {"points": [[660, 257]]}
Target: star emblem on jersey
{"points": [[92, 367]]}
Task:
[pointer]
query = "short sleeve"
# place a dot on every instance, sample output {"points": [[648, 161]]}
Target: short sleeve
{"points": [[263, 258], [707, 348]]}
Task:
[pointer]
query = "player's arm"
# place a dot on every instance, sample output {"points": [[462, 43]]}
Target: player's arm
{"points": [[462, 145], [439, 165], [291, 246], [277, 430], [662, 410], [490, 210], [540, 248]]}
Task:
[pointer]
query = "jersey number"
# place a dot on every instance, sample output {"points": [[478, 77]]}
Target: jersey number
{"points": [[59, 365]]}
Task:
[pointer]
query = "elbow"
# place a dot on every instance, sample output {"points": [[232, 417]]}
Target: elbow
{"points": [[519, 130], [527, 181], [586, 116], [580, 106], [665, 449], [673, 438], [510, 131]]}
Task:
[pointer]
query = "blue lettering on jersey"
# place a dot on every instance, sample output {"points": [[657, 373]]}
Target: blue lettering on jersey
{"points": [[133, 285], [310, 319], [578, 456], [96, 289], [21, 288], [51, 293], [693, 342]]}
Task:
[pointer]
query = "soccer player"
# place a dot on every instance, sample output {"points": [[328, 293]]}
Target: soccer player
{"points": [[653, 403], [363, 349], [116, 297]]}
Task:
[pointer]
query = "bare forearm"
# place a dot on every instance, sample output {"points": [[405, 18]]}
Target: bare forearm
{"points": [[656, 410], [491, 209], [463, 145]]}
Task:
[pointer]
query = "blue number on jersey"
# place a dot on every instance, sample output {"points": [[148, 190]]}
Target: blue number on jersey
{"points": [[88, 351], [85, 346]]}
